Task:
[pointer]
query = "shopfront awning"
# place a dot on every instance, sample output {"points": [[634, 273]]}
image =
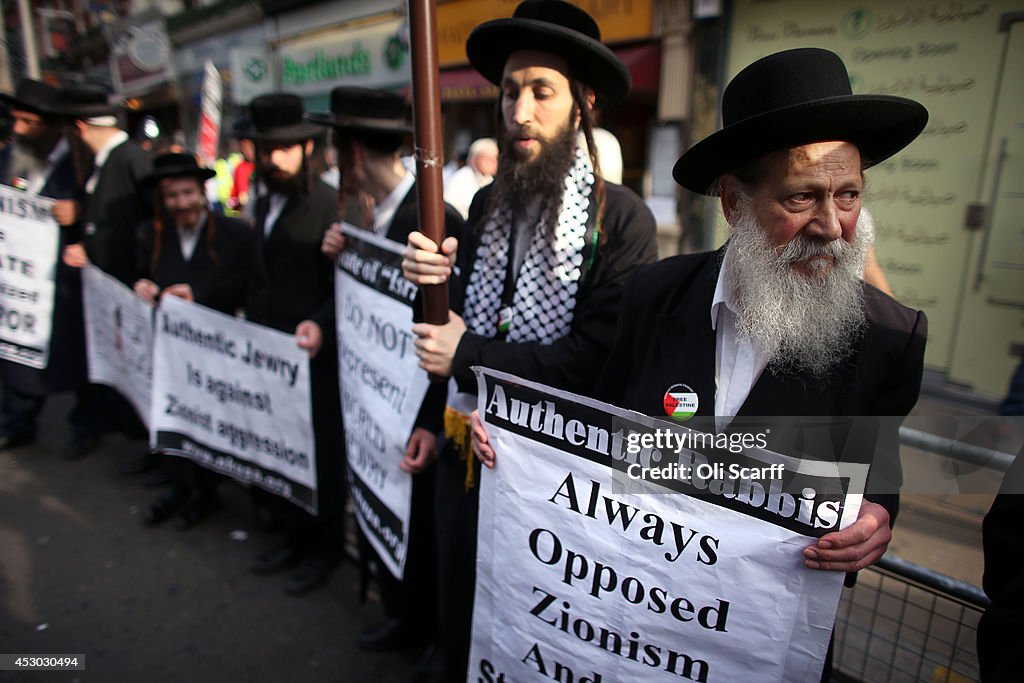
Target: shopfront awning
{"points": [[466, 85]]}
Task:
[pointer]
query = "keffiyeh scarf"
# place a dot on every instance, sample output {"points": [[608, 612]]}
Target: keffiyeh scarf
{"points": [[548, 279]]}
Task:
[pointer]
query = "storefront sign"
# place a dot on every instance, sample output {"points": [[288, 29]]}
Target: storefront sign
{"points": [[376, 56], [140, 54], [619, 20]]}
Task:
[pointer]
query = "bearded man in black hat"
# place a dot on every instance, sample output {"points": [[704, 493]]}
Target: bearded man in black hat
{"points": [[779, 322], [370, 128], [198, 255], [548, 249], [292, 289], [39, 161]]}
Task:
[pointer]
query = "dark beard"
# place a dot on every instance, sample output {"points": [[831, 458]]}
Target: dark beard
{"points": [[519, 182], [289, 185]]}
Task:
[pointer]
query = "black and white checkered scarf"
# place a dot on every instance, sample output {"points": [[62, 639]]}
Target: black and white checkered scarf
{"points": [[548, 280]]}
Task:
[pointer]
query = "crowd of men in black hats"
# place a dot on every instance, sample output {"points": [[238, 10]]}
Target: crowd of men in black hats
{"points": [[553, 278]]}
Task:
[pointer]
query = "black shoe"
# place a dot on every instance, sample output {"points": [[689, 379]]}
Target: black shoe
{"points": [[313, 571], [8, 441], [156, 479], [138, 464], [201, 506], [80, 446], [275, 559], [165, 506], [391, 635]]}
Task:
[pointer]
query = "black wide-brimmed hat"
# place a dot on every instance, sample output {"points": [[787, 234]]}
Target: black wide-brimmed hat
{"points": [[88, 100], [34, 96], [558, 28], [365, 110], [276, 117], [794, 98], [176, 165]]}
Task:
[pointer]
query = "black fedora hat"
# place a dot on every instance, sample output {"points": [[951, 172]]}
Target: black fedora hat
{"points": [[176, 165], [87, 100], [34, 96], [365, 110], [276, 117], [559, 28], [794, 98]]}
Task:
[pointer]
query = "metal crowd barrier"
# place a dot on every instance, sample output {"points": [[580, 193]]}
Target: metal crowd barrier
{"points": [[903, 623]]}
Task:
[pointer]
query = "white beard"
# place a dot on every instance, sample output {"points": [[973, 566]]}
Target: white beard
{"points": [[806, 324]]}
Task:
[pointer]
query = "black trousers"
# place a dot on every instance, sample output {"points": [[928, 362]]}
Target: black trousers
{"points": [[413, 599], [456, 518]]}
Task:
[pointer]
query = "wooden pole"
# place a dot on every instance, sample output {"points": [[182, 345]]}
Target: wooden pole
{"points": [[426, 91]]}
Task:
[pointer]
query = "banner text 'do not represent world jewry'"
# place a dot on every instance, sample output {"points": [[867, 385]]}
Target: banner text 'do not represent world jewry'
{"points": [[382, 387]]}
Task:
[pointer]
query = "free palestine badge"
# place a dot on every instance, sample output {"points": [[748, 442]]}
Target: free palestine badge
{"points": [[680, 402]]}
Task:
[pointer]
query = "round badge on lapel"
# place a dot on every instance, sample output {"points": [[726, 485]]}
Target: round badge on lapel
{"points": [[680, 402]]}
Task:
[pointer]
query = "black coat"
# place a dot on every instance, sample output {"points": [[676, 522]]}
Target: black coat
{"points": [[115, 208], [218, 271], [292, 280], [66, 367], [573, 362], [665, 337]]}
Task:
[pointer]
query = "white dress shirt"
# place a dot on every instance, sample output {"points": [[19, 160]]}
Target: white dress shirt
{"points": [[384, 211], [188, 239], [274, 208], [101, 158], [738, 363]]}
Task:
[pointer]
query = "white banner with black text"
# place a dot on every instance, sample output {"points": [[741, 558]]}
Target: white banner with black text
{"points": [[29, 237], [234, 397], [603, 557], [118, 338], [382, 387]]}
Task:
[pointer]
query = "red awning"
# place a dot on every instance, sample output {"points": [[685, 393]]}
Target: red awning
{"points": [[643, 62]]}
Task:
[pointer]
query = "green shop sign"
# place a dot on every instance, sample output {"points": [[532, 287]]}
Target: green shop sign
{"points": [[373, 56], [324, 67]]}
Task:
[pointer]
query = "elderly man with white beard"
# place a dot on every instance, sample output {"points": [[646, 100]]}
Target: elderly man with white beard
{"points": [[777, 327], [779, 322]]}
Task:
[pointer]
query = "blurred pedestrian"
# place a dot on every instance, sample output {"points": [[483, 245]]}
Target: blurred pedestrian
{"points": [[114, 206], [292, 290], [481, 165], [39, 161], [190, 252]]}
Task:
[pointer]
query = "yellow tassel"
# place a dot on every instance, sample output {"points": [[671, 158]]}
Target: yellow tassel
{"points": [[457, 429]]}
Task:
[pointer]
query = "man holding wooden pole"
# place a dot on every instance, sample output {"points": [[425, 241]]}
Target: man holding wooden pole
{"points": [[548, 250]]}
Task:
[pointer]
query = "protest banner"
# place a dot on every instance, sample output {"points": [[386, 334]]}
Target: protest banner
{"points": [[118, 338], [382, 387], [234, 397], [605, 555], [28, 268]]}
